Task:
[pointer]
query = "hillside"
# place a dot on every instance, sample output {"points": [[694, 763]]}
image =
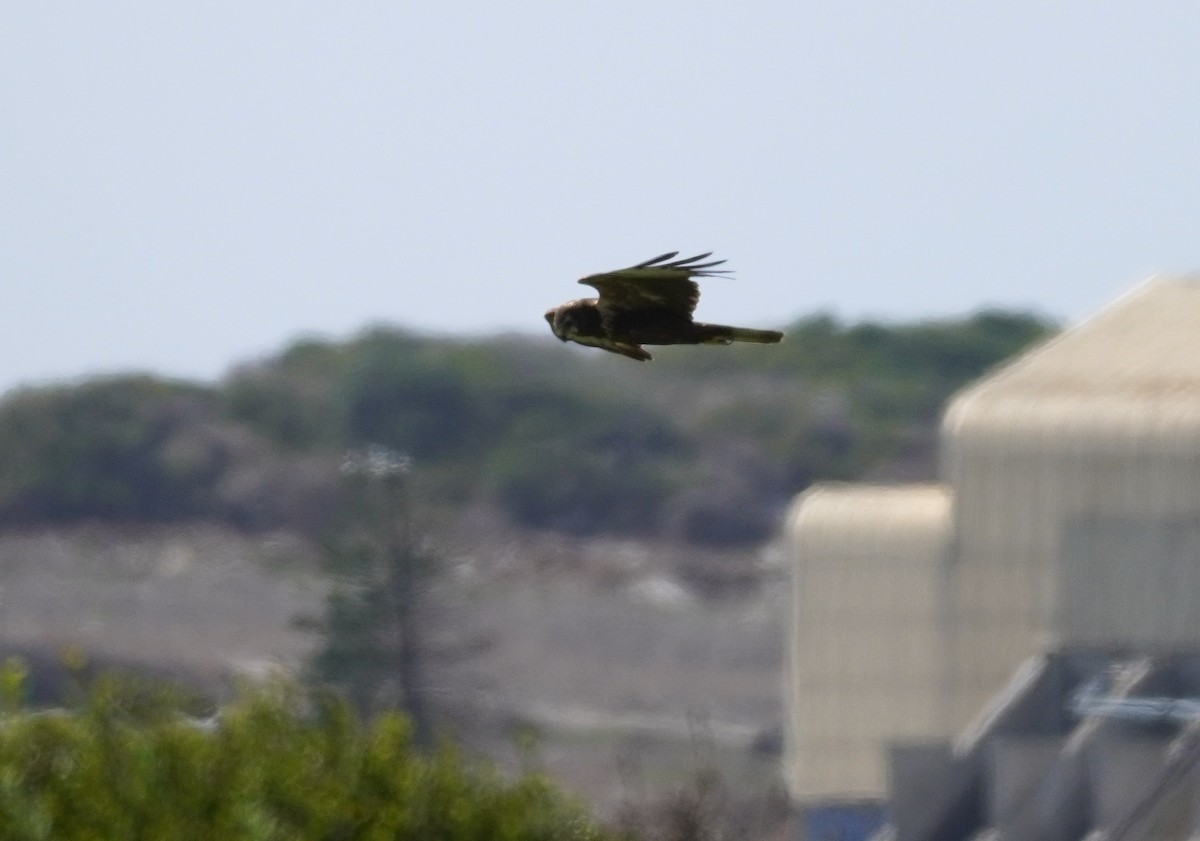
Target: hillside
{"points": [[606, 584], [703, 445]]}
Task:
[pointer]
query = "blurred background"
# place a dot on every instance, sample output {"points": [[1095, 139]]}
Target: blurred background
{"points": [[274, 276]]}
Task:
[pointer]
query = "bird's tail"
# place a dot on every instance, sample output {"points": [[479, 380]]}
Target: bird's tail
{"points": [[761, 337], [719, 334]]}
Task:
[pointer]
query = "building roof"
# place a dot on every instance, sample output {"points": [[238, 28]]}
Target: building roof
{"points": [[853, 515], [1134, 367]]}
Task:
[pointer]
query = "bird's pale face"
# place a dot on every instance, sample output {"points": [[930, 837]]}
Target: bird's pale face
{"points": [[561, 323]]}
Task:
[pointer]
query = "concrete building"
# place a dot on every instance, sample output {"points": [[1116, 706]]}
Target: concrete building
{"points": [[1067, 519]]}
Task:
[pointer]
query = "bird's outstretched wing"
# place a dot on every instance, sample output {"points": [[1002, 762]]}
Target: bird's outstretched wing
{"points": [[656, 283]]}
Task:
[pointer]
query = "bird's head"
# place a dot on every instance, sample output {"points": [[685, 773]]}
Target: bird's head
{"points": [[561, 323]]}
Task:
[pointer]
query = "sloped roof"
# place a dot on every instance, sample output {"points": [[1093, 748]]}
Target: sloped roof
{"points": [[1132, 367]]}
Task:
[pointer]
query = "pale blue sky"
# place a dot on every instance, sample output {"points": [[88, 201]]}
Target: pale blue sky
{"points": [[184, 186]]}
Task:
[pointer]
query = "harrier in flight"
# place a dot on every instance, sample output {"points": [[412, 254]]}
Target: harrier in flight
{"points": [[647, 304]]}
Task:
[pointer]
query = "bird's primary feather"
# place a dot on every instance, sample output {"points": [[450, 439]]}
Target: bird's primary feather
{"points": [[654, 283]]}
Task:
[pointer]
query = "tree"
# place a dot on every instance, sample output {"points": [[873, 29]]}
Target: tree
{"points": [[374, 649]]}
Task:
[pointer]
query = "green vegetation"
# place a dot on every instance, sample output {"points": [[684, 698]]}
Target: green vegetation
{"points": [[274, 764], [102, 449], [704, 444]]}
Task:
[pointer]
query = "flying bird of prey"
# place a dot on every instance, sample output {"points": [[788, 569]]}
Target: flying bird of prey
{"points": [[647, 304]]}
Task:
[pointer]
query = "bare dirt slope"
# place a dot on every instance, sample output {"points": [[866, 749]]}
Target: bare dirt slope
{"points": [[199, 600]]}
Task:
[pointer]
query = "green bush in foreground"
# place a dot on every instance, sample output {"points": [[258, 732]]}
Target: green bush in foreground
{"points": [[273, 765]]}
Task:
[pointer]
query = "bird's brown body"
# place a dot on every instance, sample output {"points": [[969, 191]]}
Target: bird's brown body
{"points": [[647, 304]]}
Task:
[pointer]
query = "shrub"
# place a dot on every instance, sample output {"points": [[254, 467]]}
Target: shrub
{"points": [[273, 765], [103, 449], [585, 466]]}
